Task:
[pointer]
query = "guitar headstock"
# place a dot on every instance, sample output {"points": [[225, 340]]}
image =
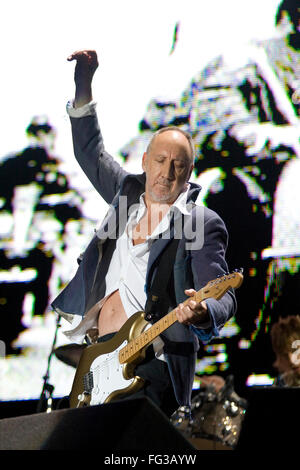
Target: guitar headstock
{"points": [[219, 286]]}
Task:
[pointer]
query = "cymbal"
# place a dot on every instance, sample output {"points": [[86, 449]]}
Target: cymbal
{"points": [[70, 353]]}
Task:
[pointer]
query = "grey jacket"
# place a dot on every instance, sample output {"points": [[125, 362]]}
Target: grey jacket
{"points": [[193, 268]]}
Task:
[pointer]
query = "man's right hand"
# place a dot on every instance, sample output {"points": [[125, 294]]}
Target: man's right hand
{"points": [[86, 65]]}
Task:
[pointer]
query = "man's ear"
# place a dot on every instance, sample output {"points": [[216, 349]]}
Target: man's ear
{"points": [[144, 161]]}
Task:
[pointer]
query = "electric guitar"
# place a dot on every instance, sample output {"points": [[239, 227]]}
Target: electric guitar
{"points": [[106, 370]]}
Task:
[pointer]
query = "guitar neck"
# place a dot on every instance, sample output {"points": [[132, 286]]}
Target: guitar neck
{"points": [[144, 339]]}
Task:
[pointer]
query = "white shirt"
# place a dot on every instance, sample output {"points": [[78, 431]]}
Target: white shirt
{"points": [[128, 268]]}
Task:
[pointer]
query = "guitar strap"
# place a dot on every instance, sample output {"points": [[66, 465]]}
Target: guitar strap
{"points": [[159, 297]]}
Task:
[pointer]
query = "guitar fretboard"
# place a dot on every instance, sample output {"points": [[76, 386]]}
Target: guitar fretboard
{"points": [[215, 289], [134, 346]]}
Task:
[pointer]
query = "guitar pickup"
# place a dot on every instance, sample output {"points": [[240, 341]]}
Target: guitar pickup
{"points": [[88, 382]]}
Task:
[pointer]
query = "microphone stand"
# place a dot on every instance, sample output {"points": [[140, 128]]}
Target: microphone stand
{"points": [[45, 401]]}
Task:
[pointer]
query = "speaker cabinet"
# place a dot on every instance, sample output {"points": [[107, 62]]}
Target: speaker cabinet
{"points": [[125, 425]]}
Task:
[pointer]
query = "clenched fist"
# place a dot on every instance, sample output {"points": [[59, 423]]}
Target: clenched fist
{"points": [[86, 65]]}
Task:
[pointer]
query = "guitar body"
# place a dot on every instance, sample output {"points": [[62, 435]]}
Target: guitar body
{"points": [[100, 377], [106, 370]]}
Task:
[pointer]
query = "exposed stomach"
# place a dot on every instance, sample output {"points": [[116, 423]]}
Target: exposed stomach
{"points": [[112, 315]]}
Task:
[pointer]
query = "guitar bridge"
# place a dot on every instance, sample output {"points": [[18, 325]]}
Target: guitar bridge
{"points": [[88, 382]]}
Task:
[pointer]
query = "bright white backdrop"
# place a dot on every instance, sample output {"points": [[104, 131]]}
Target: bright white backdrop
{"points": [[133, 39]]}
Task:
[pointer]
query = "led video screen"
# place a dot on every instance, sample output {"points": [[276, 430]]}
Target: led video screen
{"points": [[227, 72]]}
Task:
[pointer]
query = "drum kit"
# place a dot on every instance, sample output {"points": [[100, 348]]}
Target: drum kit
{"points": [[215, 415]]}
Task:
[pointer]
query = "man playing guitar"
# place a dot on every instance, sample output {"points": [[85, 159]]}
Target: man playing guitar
{"points": [[117, 270]]}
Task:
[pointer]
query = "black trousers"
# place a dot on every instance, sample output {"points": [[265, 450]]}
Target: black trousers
{"points": [[158, 385]]}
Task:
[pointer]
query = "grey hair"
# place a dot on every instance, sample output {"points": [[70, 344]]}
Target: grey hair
{"points": [[178, 129]]}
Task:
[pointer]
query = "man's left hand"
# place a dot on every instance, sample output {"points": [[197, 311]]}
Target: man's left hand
{"points": [[192, 313]]}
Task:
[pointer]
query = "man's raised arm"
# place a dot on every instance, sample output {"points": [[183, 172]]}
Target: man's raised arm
{"points": [[99, 166]]}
